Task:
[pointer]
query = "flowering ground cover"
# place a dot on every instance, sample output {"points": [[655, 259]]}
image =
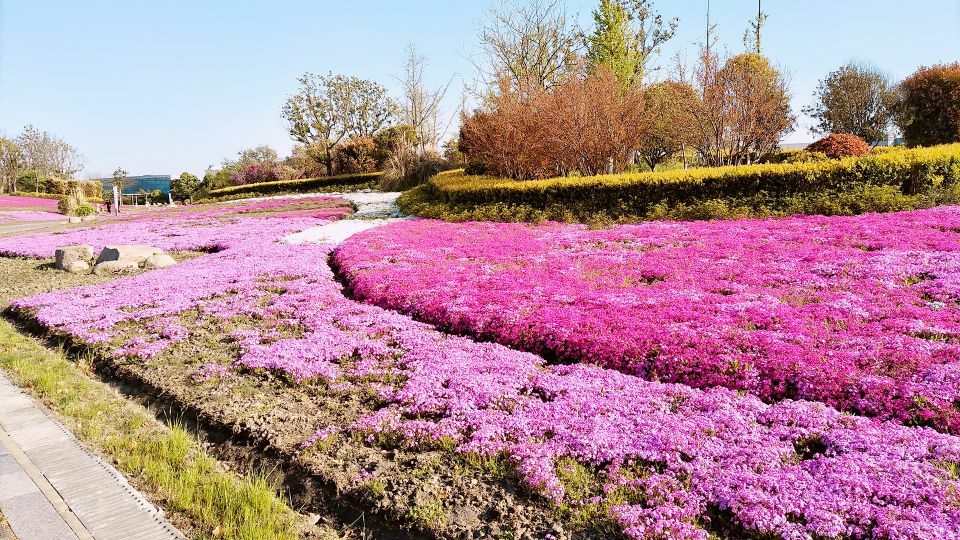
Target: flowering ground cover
{"points": [[11, 216], [203, 227], [32, 203], [860, 313], [653, 460]]}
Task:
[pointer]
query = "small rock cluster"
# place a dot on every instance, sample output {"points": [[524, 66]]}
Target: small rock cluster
{"points": [[112, 259]]}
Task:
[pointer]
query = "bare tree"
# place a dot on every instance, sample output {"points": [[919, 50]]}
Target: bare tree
{"points": [[529, 42], [421, 106]]}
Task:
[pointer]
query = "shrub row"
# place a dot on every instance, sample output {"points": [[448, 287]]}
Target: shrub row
{"points": [[893, 180], [306, 185]]}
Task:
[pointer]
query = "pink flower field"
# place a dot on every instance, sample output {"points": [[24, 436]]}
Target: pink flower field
{"points": [[210, 227], [860, 313], [17, 216], [28, 203], [670, 460]]}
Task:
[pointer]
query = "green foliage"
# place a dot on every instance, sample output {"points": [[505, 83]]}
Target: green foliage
{"points": [[854, 99], [928, 111], [184, 186], [83, 209], [306, 185], [626, 34], [892, 180]]}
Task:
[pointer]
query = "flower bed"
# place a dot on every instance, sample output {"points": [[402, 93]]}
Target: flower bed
{"points": [[860, 313], [12, 216], [657, 460], [40, 203], [204, 227]]}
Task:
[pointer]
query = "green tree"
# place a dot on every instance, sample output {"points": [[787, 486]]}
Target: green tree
{"points": [[626, 35], [928, 109], [668, 120], [855, 99], [184, 186]]}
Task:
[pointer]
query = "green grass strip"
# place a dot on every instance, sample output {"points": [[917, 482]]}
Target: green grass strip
{"points": [[168, 461]]}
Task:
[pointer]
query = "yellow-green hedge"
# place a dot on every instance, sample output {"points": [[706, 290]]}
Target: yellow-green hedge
{"points": [[924, 174], [305, 185]]}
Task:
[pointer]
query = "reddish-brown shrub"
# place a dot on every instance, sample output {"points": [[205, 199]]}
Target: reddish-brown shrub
{"points": [[586, 125], [840, 145], [356, 155]]}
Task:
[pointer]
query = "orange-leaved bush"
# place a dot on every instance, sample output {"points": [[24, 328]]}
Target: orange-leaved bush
{"points": [[840, 145], [588, 125]]}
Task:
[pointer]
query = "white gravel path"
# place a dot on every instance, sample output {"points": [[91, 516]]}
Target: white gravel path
{"points": [[374, 209]]}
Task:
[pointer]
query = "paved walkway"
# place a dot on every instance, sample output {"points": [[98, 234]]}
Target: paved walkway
{"points": [[374, 209], [51, 487]]}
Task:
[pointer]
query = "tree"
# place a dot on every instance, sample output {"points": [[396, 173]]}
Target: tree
{"points": [[259, 154], [854, 99], [744, 109], [184, 186], [751, 37], [371, 109], [47, 154], [531, 43], [328, 108], [667, 120], [421, 107], [119, 181], [11, 161], [627, 34], [928, 108]]}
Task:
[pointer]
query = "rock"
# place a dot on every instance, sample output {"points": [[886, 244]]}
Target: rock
{"points": [[77, 267], [87, 218], [160, 260], [464, 516], [74, 219], [136, 253], [119, 266], [68, 254]]}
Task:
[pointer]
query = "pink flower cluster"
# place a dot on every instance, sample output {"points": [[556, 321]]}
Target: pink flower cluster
{"points": [[39, 203], [860, 313], [207, 227], [15, 216], [673, 461]]}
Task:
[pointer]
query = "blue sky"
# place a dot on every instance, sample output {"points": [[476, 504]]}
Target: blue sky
{"points": [[163, 87]]}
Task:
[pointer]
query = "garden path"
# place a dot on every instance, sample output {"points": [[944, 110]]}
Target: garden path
{"points": [[52, 487], [374, 209]]}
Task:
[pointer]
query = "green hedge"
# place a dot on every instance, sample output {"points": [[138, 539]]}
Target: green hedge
{"points": [[307, 185], [892, 180]]}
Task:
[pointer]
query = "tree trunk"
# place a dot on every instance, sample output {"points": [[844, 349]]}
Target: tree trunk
{"points": [[328, 160]]}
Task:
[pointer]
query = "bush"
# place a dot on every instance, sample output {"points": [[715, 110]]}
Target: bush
{"points": [[928, 111], [410, 169], [84, 210], [68, 205], [307, 185], [897, 179], [583, 125], [355, 156], [836, 146]]}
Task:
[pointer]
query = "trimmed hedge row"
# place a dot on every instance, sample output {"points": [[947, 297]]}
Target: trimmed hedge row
{"points": [[892, 180], [305, 185]]}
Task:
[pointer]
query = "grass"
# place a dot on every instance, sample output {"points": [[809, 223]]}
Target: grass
{"points": [[166, 460]]}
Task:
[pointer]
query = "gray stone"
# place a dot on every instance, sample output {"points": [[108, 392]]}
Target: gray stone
{"points": [[78, 267], [74, 219], [115, 267], [68, 254], [136, 253], [160, 260]]}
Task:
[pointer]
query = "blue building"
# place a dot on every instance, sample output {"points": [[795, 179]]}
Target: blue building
{"points": [[144, 182]]}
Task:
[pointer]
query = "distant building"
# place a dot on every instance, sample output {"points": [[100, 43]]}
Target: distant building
{"points": [[144, 182]]}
